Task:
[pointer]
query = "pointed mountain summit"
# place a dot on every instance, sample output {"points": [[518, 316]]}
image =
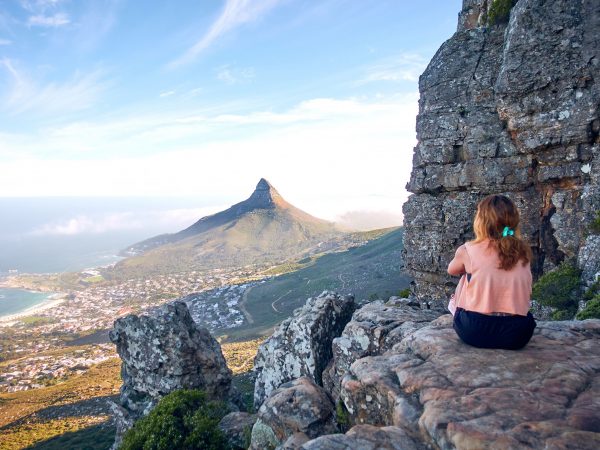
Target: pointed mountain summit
{"points": [[265, 196], [262, 228]]}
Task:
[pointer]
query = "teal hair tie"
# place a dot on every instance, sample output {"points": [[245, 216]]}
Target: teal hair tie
{"points": [[508, 231]]}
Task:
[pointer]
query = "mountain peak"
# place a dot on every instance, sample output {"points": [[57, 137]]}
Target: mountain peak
{"points": [[265, 196]]}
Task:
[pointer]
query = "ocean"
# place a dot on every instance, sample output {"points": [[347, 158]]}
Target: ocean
{"points": [[64, 234], [15, 300]]}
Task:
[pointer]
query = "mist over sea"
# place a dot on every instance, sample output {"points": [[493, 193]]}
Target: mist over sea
{"points": [[58, 234]]}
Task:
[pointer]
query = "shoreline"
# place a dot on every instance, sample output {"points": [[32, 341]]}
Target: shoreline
{"points": [[50, 302]]}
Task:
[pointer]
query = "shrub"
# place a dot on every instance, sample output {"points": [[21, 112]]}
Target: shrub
{"points": [[595, 225], [500, 11], [591, 310], [342, 416], [404, 293], [558, 289], [183, 419]]}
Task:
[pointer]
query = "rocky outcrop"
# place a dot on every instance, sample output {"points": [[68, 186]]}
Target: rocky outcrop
{"points": [[237, 426], [299, 410], [408, 382], [374, 329], [301, 345], [446, 394], [162, 352], [514, 109]]}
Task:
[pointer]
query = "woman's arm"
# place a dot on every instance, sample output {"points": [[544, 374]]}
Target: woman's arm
{"points": [[457, 265]]}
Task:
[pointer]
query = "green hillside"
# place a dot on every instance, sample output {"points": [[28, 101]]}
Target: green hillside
{"points": [[369, 271]]}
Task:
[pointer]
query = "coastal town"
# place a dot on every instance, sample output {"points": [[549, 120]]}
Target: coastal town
{"points": [[48, 345]]}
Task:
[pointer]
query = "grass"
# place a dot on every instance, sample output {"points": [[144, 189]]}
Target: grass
{"points": [[28, 418], [94, 279], [48, 418], [371, 270]]}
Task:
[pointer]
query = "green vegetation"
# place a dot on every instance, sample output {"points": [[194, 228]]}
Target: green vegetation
{"points": [[592, 307], [404, 293], [595, 225], [34, 321], [591, 310], [500, 11], [342, 416], [352, 271], [184, 419], [96, 437], [36, 417], [94, 279], [558, 289]]}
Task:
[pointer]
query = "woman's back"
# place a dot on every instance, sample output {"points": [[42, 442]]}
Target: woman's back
{"points": [[491, 289]]}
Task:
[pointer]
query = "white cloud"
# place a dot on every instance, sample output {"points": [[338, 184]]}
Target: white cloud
{"points": [[327, 156], [26, 95], [232, 75], [235, 14], [5, 42], [171, 220], [403, 67], [55, 20], [166, 94], [369, 220]]}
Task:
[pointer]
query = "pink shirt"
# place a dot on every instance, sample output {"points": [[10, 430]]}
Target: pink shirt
{"points": [[491, 289]]}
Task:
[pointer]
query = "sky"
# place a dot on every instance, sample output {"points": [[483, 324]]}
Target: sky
{"points": [[200, 99]]}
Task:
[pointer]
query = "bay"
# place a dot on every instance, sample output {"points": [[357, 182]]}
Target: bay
{"points": [[13, 301]]}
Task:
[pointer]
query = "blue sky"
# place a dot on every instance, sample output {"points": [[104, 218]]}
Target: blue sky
{"points": [[203, 98]]}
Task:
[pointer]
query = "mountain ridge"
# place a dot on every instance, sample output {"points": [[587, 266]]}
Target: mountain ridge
{"points": [[262, 228]]}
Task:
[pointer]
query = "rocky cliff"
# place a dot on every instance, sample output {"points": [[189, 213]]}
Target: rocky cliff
{"points": [[509, 108], [402, 379]]}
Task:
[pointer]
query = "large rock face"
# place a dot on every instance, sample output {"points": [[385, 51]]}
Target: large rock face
{"points": [[162, 352], [301, 345], [443, 392], [510, 109]]}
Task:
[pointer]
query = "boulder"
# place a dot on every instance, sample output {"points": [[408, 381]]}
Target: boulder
{"points": [[162, 351], [237, 426], [373, 330], [444, 393], [301, 345], [365, 437], [299, 406]]}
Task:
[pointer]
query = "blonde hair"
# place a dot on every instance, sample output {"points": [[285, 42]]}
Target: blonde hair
{"points": [[494, 213]]}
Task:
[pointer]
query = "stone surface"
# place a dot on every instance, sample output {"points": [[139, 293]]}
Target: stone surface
{"points": [[365, 437], [446, 394], [161, 352], [237, 426], [301, 345], [299, 406], [374, 329], [512, 109]]}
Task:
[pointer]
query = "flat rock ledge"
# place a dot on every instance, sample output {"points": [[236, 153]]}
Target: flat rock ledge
{"points": [[374, 329], [444, 394]]}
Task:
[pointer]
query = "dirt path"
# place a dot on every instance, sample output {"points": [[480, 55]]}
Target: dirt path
{"points": [[343, 282], [247, 315], [277, 299]]}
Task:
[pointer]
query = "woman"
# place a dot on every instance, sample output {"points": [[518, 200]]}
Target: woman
{"points": [[494, 299]]}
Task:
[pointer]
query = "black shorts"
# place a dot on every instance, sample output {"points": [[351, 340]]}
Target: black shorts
{"points": [[483, 331]]}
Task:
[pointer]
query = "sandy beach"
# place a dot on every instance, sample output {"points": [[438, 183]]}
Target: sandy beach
{"points": [[51, 302]]}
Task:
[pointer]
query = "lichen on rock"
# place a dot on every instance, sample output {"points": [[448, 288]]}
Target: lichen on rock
{"points": [[301, 345], [509, 109], [163, 351]]}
